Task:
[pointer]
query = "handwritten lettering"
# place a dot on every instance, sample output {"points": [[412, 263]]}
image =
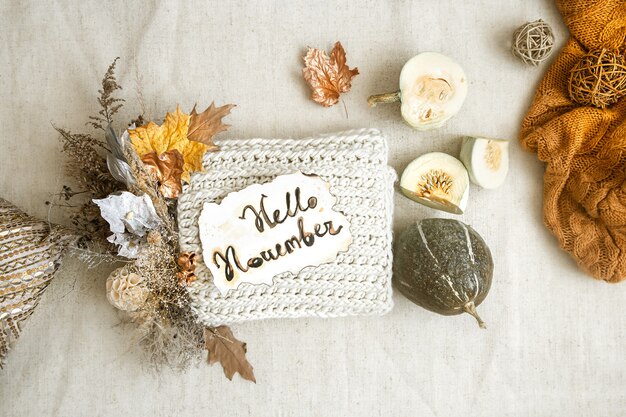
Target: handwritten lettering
{"points": [[230, 260], [268, 229], [261, 218]]}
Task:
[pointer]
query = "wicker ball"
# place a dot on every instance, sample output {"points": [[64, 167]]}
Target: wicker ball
{"points": [[598, 79], [533, 42]]}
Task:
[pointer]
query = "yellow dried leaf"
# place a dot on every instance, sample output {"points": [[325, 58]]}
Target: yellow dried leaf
{"points": [[172, 134]]}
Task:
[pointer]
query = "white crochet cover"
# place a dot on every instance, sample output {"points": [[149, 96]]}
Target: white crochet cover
{"points": [[358, 282]]}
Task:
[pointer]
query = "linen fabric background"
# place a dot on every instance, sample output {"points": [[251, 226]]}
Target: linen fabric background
{"points": [[554, 338]]}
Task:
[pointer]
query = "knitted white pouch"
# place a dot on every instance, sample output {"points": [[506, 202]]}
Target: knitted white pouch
{"points": [[358, 282]]}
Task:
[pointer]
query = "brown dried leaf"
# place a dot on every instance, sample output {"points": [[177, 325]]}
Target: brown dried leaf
{"points": [[203, 126], [228, 351], [328, 76], [167, 169]]}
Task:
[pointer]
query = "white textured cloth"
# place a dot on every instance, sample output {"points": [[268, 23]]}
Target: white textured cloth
{"points": [[554, 339], [358, 282]]}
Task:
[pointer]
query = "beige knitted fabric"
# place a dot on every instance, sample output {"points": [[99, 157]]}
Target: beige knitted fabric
{"points": [[584, 147], [357, 282], [29, 256]]}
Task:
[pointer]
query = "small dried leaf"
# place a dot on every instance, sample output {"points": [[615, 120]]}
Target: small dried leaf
{"points": [[120, 170], [110, 104], [203, 126], [328, 76], [116, 146], [228, 351], [167, 168]]}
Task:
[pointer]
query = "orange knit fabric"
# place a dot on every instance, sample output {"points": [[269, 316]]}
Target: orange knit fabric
{"points": [[584, 148]]}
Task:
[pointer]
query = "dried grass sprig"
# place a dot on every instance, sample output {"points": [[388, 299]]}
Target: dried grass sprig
{"points": [[86, 164], [139, 94], [87, 167], [167, 329], [93, 254], [109, 104]]}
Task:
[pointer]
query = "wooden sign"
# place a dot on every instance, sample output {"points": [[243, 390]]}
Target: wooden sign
{"points": [[268, 229]]}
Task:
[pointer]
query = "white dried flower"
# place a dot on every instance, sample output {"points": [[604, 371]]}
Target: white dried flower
{"points": [[126, 211], [127, 245], [126, 290]]}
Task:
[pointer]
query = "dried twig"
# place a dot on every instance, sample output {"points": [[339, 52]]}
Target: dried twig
{"points": [[146, 184], [139, 92], [93, 256]]}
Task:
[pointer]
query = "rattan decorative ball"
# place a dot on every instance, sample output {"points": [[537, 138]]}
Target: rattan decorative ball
{"points": [[598, 79], [533, 42]]}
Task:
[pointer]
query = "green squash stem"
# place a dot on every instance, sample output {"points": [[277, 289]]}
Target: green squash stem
{"points": [[470, 308], [372, 101]]}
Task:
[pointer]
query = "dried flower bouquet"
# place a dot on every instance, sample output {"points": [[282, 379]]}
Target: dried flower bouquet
{"points": [[127, 182]]}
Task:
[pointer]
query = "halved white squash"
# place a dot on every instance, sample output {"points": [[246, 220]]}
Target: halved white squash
{"points": [[437, 180], [433, 88], [486, 160]]}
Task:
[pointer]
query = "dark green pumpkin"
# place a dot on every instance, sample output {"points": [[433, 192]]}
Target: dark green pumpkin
{"points": [[444, 266]]}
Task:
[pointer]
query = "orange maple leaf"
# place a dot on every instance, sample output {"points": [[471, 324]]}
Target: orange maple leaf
{"points": [[328, 76]]}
